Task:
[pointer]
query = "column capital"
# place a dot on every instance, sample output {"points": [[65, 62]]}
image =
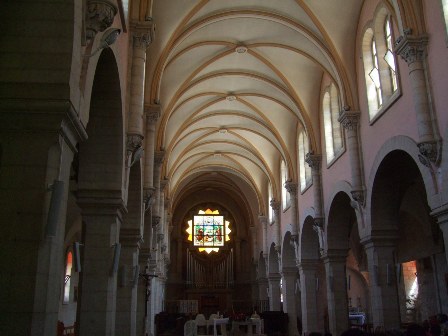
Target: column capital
{"points": [[142, 33], [274, 276], [159, 156], [349, 119], [359, 196], [292, 188], [335, 256], [275, 205], [133, 141], [314, 161], [99, 16], [431, 150], [441, 214], [411, 48], [308, 264], [148, 196], [289, 271], [152, 112], [155, 221], [380, 238]]}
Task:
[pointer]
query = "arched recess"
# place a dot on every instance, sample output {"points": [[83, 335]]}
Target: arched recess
{"points": [[400, 214], [309, 242], [101, 157], [288, 253], [100, 197]]}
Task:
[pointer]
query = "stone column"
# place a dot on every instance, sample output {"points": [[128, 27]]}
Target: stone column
{"points": [[274, 291], [413, 50], [142, 36], [441, 214], [152, 115], [383, 284], [142, 293], [315, 163], [289, 276], [126, 312], [275, 205], [263, 288], [350, 121], [308, 291], [335, 269], [291, 187], [264, 223], [102, 215]]}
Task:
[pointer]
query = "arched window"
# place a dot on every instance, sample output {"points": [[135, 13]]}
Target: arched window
{"points": [[389, 55], [285, 193], [305, 170], [270, 210], [380, 63], [68, 275], [333, 136], [445, 12]]}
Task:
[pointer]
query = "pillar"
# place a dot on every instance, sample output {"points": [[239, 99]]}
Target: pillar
{"points": [[335, 270], [274, 291], [315, 163], [275, 205], [383, 284], [413, 50], [308, 286], [350, 121], [291, 187], [142, 36], [264, 223], [38, 141], [289, 276], [441, 215], [102, 216], [128, 274]]}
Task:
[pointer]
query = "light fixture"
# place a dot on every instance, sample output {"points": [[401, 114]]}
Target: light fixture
{"points": [[109, 37], [240, 49]]}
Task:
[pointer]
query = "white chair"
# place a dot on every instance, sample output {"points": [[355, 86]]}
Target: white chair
{"points": [[201, 322], [210, 321], [190, 328], [223, 325]]}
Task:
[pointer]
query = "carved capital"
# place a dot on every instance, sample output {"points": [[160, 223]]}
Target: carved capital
{"points": [[349, 119], [155, 221], [163, 249], [159, 156], [292, 188], [130, 237], [152, 113], [148, 197], [143, 34], [99, 16], [411, 48], [319, 222], [358, 196], [160, 237], [314, 161], [133, 141], [430, 150], [275, 205]]}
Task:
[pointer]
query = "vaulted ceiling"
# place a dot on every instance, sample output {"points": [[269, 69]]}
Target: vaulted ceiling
{"points": [[238, 79]]}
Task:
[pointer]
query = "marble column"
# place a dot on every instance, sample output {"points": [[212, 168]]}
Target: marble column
{"points": [[291, 187], [308, 293], [274, 291], [289, 276], [383, 284], [275, 205], [335, 270], [102, 216], [315, 163], [128, 274], [142, 36], [413, 50], [350, 121]]}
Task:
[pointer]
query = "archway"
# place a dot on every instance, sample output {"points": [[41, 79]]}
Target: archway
{"points": [[404, 240], [100, 197]]}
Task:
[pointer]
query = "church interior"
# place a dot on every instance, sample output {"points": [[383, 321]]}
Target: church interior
{"points": [[222, 162]]}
